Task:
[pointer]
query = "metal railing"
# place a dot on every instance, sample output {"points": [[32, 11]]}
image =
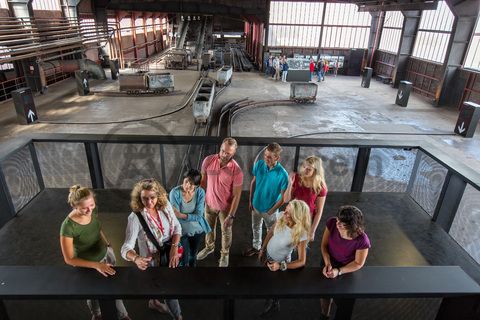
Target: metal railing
{"points": [[443, 186]]}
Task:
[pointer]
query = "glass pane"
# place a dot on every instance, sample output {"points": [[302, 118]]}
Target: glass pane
{"points": [[427, 182], [389, 170], [63, 164], [338, 163], [125, 164], [467, 223], [20, 177]]}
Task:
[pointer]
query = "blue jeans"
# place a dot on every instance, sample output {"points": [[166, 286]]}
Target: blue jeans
{"points": [[190, 249]]}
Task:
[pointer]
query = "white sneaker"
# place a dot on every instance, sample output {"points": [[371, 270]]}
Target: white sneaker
{"points": [[204, 253], [223, 262]]}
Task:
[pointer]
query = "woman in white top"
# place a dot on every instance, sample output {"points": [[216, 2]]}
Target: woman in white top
{"points": [[291, 231], [149, 199]]}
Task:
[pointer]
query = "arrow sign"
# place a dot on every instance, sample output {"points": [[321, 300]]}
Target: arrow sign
{"points": [[461, 128], [400, 95], [31, 115]]}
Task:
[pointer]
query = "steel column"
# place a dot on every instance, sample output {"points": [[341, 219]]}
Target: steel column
{"points": [[449, 200], [360, 169], [94, 165]]}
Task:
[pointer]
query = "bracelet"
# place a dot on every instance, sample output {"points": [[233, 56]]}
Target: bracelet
{"points": [[231, 217], [174, 244], [135, 259], [339, 271]]}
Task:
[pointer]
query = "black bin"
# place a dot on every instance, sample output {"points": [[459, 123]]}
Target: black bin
{"points": [[467, 119], [403, 93], [81, 77], [114, 68], [24, 105], [366, 77]]}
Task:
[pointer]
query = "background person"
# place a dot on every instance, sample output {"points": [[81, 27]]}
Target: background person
{"points": [[149, 202], [188, 202], [309, 185], [345, 248], [84, 244]]}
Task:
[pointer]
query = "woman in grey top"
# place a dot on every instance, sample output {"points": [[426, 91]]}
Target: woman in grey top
{"points": [[289, 232]]}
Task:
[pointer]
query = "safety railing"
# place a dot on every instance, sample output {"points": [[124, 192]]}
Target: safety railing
{"points": [[444, 187]]}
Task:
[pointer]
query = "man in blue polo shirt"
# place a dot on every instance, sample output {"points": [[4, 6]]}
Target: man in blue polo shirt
{"points": [[270, 180]]}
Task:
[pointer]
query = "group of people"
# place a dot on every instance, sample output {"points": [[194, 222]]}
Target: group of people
{"points": [[276, 67], [320, 69], [168, 228]]}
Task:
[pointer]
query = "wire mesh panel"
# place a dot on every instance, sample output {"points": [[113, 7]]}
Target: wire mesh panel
{"points": [[125, 164], [20, 177], [63, 164], [427, 182], [247, 155], [389, 170], [338, 163], [396, 309], [467, 223]]}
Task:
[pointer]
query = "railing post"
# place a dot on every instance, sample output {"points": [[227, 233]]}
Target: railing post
{"points": [[296, 159], [93, 159], [162, 160], [108, 308], [228, 309], [449, 200], [7, 209], [360, 169], [36, 166], [413, 175]]}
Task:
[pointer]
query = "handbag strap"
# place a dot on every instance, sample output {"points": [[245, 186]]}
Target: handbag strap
{"points": [[148, 232]]}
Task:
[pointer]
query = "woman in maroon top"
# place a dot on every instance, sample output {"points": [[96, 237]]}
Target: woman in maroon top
{"points": [[344, 249], [309, 185]]}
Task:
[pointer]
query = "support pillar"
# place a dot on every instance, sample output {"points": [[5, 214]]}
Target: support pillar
{"points": [[407, 41], [451, 86], [70, 9], [376, 27]]}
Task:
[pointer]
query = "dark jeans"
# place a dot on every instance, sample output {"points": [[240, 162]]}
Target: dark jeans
{"points": [[190, 249]]}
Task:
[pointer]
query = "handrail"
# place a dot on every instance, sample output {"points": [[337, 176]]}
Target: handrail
{"points": [[63, 282]]}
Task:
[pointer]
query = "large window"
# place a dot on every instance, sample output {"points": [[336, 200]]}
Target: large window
{"points": [[46, 5], [434, 33], [139, 25], [126, 26], [3, 4], [299, 24], [295, 24], [392, 31], [473, 55], [345, 27]]}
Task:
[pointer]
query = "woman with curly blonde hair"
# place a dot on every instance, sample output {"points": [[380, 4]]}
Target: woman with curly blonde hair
{"points": [[309, 185], [289, 232], [153, 225]]}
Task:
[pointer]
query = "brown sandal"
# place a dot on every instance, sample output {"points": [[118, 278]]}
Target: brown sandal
{"points": [[250, 252]]}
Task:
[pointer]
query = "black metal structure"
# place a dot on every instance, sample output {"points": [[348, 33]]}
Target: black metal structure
{"points": [[245, 283]]}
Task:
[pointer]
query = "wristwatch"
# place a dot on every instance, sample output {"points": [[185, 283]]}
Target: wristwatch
{"points": [[339, 271], [283, 266]]}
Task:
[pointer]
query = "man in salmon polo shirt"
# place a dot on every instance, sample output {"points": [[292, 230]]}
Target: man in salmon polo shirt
{"points": [[222, 179]]}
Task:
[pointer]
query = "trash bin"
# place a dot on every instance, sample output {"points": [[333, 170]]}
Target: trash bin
{"points": [[114, 68], [24, 105], [366, 77], [81, 78], [403, 93], [467, 119]]}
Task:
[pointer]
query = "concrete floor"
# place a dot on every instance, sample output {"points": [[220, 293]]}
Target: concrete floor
{"points": [[343, 110]]}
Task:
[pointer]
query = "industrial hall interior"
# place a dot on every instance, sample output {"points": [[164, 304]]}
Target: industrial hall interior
{"points": [[255, 159]]}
